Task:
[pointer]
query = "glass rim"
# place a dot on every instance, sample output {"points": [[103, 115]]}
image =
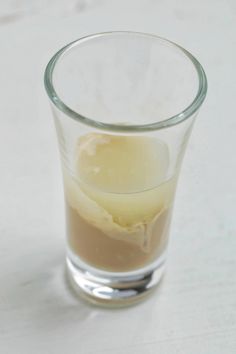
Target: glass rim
{"points": [[165, 123]]}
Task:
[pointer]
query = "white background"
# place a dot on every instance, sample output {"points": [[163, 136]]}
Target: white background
{"points": [[194, 310]]}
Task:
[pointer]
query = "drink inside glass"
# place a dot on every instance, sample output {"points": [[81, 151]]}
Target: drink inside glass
{"points": [[119, 201], [124, 104]]}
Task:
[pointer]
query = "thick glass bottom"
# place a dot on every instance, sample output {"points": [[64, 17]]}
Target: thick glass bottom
{"points": [[114, 289]]}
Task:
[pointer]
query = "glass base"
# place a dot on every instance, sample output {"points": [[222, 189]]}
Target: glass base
{"points": [[114, 289]]}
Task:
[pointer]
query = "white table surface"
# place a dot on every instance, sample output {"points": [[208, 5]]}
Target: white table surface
{"points": [[194, 311]]}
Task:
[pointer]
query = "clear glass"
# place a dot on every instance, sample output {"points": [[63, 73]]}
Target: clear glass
{"points": [[124, 104]]}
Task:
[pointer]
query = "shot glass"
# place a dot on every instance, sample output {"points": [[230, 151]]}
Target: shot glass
{"points": [[124, 104]]}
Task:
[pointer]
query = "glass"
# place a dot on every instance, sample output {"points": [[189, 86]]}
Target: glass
{"points": [[124, 104]]}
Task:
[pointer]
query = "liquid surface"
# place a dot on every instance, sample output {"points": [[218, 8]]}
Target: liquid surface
{"points": [[118, 203]]}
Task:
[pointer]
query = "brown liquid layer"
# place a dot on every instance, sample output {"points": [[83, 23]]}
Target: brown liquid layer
{"points": [[102, 251]]}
